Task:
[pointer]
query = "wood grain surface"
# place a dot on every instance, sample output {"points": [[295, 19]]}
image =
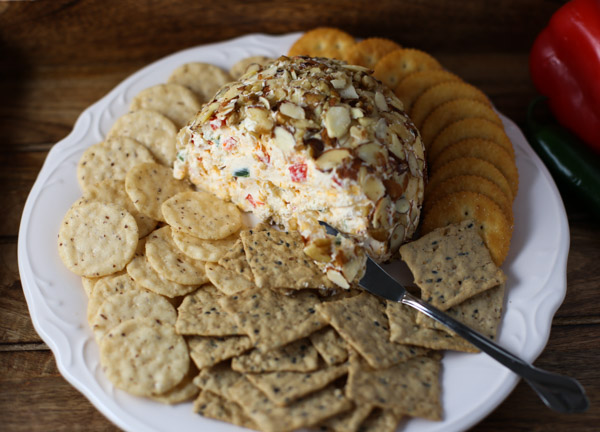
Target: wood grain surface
{"points": [[57, 57]]}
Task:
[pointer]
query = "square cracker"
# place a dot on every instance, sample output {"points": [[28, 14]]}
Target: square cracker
{"points": [[208, 351], [412, 388], [405, 330], [277, 260], [451, 264], [382, 420], [201, 314], [362, 322], [218, 379], [227, 281], [283, 388], [272, 319], [330, 345], [348, 421], [211, 405], [304, 412], [297, 356], [235, 261]]}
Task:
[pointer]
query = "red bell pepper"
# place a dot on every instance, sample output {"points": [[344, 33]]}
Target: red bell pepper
{"points": [[565, 66]]}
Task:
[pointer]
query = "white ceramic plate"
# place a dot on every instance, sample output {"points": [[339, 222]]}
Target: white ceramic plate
{"points": [[473, 385]]}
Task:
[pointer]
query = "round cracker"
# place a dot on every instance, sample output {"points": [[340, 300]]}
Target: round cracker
{"points": [[204, 250], [112, 191], [470, 183], [144, 358], [184, 391], [172, 264], [149, 185], [393, 67], [470, 166], [142, 272], [106, 287], [481, 149], [110, 159], [203, 215], [175, 101], [440, 93], [240, 67], [452, 111], [412, 85], [323, 42], [494, 228], [96, 239], [203, 79], [470, 128], [152, 129], [369, 51]]}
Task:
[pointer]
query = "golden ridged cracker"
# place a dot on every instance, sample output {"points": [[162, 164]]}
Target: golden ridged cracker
{"points": [[470, 166], [144, 275], [240, 67], [414, 84], [205, 250], [149, 185], [207, 351], [298, 356], [96, 239], [152, 129], [369, 51], [394, 66], [203, 79], [437, 94], [211, 405], [481, 149], [176, 102], [201, 214], [493, 226], [172, 264], [322, 42], [144, 358], [110, 159], [469, 128], [454, 110]]}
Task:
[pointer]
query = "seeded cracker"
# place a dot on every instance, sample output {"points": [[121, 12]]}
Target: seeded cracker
{"points": [[205, 250], [283, 388], [152, 129], [184, 391], [218, 380], [405, 330], [241, 66], [176, 102], [110, 159], [305, 412], [149, 185], [451, 264], [278, 261], [381, 420], [208, 351], [200, 314], [298, 356], [236, 262], [272, 319], [202, 78], [97, 239], [144, 275], [216, 407], [106, 287], [143, 358], [167, 260], [227, 281], [330, 345], [362, 322], [412, 387], [202, 215], [348, 421]]}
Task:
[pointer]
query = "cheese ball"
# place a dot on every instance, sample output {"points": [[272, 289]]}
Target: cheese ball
{"points": [[302, 140]]}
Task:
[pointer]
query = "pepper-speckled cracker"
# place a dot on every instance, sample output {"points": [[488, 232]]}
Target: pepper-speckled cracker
{"points": [[152, 129], [369, 51], [144, 275], [201, 249], [323, 42], [201, 314], [451, 264], [277, 260], [172, 264], [203, 79], [235, 261], [176, 102], [414, 84], [283, 388], [272, 319], [227, 281], [97, 239], [208, 351], [110, 159], [105, 287], [211, 405], [218, 379], [185, 391], [240, 67], [362, 322], [412, 387], [348, 421], [399, 63], [298, 356], [144, 358], [330, 345], [304, 412], [492, 225], [201, 214], [382, 420]]}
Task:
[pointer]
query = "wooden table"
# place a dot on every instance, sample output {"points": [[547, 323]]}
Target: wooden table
{"points": [[58, 57]]}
